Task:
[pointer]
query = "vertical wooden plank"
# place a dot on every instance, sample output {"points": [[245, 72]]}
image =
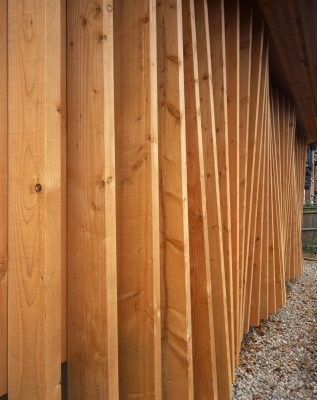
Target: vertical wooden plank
{"points": [[278, 157], [137, 181], [268, 206], [271, 298], [256, 206], [232, 39], [273, 257], [204, 356], [286, 157], [155, 178], [275, 211], [301, 178], [63, 185], [291, 190], [244, 99], [35, 139], [176, 303], [211, 180], [276, 194], [218, 65], [3, 198], [256, 65], [259, 232], [91, 227]]}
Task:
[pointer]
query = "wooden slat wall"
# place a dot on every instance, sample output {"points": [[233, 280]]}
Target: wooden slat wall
{"points": [[181, 186], [255, 198], [92, 351], [232, 49], [205, 385], [3, 197], [218, 66], [213, 210], [177, 361], [246, 24], [254, 134], [35, 226]]}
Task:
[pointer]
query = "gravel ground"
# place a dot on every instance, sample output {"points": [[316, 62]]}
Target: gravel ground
{"points": [[279, 358]]}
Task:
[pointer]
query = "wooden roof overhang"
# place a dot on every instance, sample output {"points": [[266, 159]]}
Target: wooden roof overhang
{"points": [[292, 26]]}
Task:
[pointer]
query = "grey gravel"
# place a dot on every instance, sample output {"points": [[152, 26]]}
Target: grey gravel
{"points": [[279, 358]]}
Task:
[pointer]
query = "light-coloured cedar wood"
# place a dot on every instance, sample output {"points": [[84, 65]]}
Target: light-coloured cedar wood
{"points": [[291, 232], [35, 140], [232, 39], [290, 201], [276, 199], [204, 356], [263, 306], [218, 66], [259, 233], [177, 362], [155, 179], [3, 199], [278, 114], [254, 195], [91, 227], [292, 194], [301, 142], [208, 174], [286, 158], [294, 250], [275, 151], [275, 254], [211, 179], [63, 185], [280, 186], [255, 241], [274, 241], [283, 157], [302, 165], [293, 208], [137, 174], [244, 107], [256, 65]]}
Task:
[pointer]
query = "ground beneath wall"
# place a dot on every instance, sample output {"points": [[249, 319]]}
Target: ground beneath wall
{"points": [[279, 358]]}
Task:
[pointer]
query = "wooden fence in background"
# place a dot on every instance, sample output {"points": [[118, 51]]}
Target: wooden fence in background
{"points": [[142, 238], [309, 228]]}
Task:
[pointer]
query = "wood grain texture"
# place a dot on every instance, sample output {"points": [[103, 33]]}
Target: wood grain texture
{"points": [[3, 198], [35, 139], [246, 22], [63, 184], [152, 230], [267, 217], [277, 255], [255, 204], [204, 356], [218, 65], [211, 179], [92, 351], [137, 200], [259, 238], [256, 64], [176, 302], [232, 55]]}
